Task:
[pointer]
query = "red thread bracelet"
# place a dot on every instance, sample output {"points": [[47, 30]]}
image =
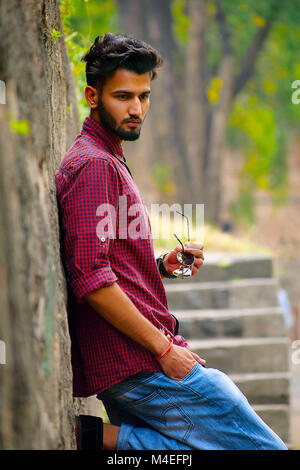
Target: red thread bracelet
{"points": [[166, 351]]}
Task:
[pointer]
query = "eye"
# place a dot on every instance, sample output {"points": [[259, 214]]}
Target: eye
{"points": [[144, 97], [122, 97]]}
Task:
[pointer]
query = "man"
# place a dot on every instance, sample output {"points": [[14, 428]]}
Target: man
{"points": [[125, 343]]}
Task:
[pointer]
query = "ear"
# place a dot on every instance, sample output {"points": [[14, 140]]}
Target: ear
{"points": [[91, 96]]}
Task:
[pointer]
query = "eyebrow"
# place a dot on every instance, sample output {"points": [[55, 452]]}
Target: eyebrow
{"points": [[116, 92]]}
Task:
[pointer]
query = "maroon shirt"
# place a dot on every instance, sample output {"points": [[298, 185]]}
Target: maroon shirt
{"points": [[93, 181]]}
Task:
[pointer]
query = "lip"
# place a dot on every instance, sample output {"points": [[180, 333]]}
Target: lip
{"points": [[133, 123]]}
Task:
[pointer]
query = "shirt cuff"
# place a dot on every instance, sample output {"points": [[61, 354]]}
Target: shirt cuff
{"points": [[102, 277]]}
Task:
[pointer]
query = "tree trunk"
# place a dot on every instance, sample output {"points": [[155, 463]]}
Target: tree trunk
{"points": [[132, 18], [216, 143], [195, 122], [217, 128], [38, 122]]}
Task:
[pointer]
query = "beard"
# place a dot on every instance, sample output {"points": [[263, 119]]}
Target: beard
{"points": [[108, 121]]}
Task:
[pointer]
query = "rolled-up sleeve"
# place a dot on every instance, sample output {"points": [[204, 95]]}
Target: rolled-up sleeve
{"points": [[91, 201]]}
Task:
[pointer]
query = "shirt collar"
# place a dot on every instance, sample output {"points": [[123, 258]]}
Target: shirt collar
{"points": [[109, 139]]}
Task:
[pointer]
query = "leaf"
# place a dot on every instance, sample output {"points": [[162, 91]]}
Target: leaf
{"points": [[213, 92], [259, 21], [55, 34], [20, 127]]}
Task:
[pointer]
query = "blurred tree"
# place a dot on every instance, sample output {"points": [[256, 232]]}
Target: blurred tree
{"points": [[212, 51], [262, 117], [256, 126], [226, 79], [195, 97]]}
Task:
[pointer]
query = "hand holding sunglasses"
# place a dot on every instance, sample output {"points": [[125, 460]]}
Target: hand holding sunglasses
{"points": [[190, 256]]}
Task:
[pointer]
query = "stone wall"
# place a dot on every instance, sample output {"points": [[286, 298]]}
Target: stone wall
{"points": [[38, 121]]}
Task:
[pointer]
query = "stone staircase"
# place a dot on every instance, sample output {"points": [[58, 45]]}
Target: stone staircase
{"points": [[229, 314]]}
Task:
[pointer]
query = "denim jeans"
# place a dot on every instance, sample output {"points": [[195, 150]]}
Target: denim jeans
{"points": [[205, 410]]}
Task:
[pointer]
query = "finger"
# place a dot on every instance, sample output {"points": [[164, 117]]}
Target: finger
{"points": [[198, 262], [194, 271], [174, 251], [196, 267], [197, 253], [198, 359], [178, 248], [194, 245]]}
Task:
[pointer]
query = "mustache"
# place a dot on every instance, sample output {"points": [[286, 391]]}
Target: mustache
{"points": [[136, 120]]}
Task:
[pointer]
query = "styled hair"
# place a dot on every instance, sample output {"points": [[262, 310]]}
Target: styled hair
{"points": [[114, 51]]}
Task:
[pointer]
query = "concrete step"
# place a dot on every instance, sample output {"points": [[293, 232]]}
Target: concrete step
{"points": [[254, 322], [244, 355], [228, 266], [243, 293], [264, 388], [277, 417]]}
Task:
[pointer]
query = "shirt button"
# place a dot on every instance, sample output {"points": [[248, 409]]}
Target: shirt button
{"points": [[103, 239]]}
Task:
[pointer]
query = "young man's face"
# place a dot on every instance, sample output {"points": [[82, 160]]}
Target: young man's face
{"points": [[124, 102]]}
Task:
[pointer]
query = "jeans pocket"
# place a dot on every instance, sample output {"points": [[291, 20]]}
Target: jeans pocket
{"points": [[190, 373], [159, 409]]}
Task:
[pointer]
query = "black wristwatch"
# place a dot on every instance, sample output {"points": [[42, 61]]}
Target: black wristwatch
{"points": [[161, 267]]}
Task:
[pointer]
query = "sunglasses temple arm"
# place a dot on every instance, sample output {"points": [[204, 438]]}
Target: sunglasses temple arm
{"points": [[179, 242], [188, 225]]}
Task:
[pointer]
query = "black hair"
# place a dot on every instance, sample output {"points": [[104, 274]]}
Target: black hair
{"points": [[113, 51]]}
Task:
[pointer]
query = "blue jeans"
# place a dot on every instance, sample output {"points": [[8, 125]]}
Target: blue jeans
{"points": [[205, 410]]}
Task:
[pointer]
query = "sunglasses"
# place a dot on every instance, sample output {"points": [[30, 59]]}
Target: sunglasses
{"points": [[186, 259]]}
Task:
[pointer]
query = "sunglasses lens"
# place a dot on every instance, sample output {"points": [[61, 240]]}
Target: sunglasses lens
{"points": [[188, 259], [185, 258]]}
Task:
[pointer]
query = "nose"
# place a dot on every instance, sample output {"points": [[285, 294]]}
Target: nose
{"points": [[135, 107]]}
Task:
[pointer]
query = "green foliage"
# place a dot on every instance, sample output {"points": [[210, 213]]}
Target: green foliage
{"points": [[180, 21], [92, 18], [256, 130], [260, 119], [263, 115], [83, 21]]}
